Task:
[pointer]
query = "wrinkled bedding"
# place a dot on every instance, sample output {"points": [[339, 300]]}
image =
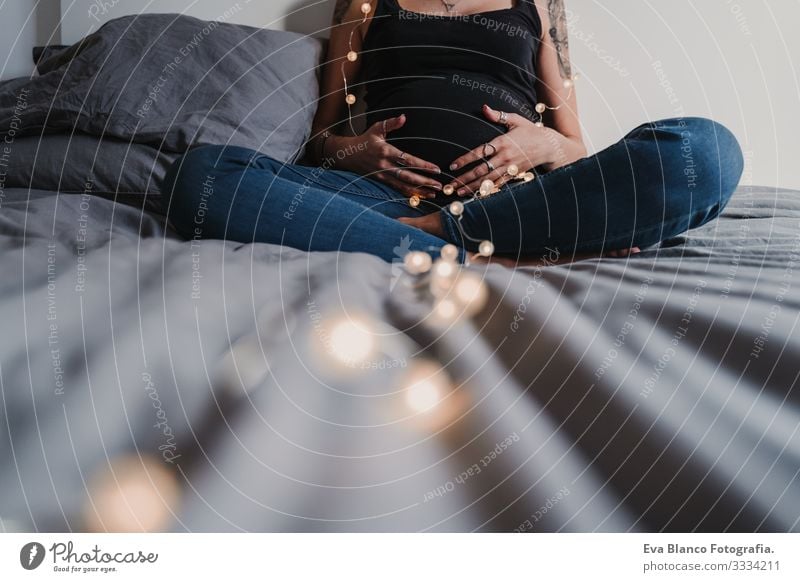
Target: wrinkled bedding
{"points": [[656, 393]]}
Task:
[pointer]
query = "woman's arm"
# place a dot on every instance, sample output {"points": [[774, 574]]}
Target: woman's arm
{"points": [[553, 87], [332, 109]]}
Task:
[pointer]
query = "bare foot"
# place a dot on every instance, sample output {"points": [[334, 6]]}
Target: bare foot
{"points": [[430, 223], [623, 252]]}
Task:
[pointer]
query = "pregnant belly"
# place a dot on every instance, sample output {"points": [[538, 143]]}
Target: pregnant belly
{"points": [[443, 121]]}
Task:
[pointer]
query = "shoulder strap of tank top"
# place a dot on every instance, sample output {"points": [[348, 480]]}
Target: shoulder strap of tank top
{"points": [[529, 6]]}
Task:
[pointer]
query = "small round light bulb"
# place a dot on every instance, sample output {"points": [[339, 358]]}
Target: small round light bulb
{"points": [[417, 262], [449, 252], [456, 208]]}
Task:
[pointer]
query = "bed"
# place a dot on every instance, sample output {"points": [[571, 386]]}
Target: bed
{"points": [[154, 383]]}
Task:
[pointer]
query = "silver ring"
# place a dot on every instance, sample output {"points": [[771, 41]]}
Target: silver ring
{"points": [[402, 160], [489, 165], [504, 117], [384, 128], [397, 173], [487, 144]]}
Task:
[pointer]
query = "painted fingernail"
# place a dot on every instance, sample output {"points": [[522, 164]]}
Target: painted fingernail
{"points": [[453, 166], [461, 191]]}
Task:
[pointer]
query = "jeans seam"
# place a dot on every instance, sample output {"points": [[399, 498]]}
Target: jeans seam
{"points": [[449, 227]]}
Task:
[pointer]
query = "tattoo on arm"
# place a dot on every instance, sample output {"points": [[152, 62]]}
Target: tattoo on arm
{"points": [[558, 34], [340, 10]]}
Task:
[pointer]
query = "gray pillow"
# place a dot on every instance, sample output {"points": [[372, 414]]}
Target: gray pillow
{"points": [[107, 167], [173, 82]]}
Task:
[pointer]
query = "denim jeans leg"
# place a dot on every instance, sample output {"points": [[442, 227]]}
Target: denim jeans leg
{"points": [[235, 193], [660, 180]]}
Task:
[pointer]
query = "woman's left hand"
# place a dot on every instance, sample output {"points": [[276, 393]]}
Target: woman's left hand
{"points": [[524, 145]]}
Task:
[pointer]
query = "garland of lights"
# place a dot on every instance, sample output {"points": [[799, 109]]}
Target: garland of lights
{"points": [[415, 262]]}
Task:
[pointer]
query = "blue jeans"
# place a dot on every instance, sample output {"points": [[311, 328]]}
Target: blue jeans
{"points": [[663, 178]]}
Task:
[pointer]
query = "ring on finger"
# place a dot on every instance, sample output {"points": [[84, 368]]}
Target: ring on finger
{"points": [[504, 117], [397, 173], [494, 149], [489, 165], [402, 160]]}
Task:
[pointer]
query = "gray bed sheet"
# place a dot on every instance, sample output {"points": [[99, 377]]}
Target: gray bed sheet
{"points": [[655, 393]]}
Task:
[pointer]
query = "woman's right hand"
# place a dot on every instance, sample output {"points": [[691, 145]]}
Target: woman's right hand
{"points": [[369, 154]]}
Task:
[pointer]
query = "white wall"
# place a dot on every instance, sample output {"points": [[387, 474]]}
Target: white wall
{"points": [[306, 16], [731, 60], [23, 25], [726, 59]]}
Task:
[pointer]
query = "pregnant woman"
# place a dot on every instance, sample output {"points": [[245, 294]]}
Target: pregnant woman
{"points": [[472, 135]]}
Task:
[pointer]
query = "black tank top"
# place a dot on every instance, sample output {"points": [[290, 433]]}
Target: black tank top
{"points": [[439, 70]]}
